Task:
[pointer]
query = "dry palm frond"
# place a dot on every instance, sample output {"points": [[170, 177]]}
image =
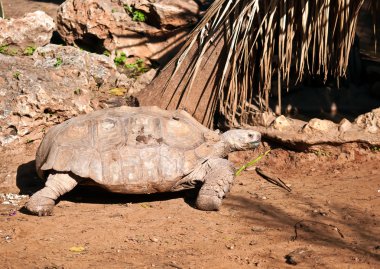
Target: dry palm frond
{"points": [[289, 38], [374, 7], [2, 15]]}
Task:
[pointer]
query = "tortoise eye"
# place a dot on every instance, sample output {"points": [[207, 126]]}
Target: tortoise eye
{"points": [[250, 135]]}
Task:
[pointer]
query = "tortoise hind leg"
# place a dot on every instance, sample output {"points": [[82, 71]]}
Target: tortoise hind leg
{"points": [[217, 184], [42, 202]]}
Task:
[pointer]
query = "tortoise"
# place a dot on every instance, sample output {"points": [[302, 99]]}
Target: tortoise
{"points": [[137, 150]]}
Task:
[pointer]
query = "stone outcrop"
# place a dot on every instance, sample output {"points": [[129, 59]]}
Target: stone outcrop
{"points": [[299, 134], [53, 85], [34, 29], [110, 25]]}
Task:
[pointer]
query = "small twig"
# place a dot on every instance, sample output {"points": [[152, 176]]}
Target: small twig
{"points": [[294, 238], [274, 180]]}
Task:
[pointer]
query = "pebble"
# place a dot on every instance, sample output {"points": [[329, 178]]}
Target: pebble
{"points": [[154, 239], [231, 247], [298, 256], [258, 229]]}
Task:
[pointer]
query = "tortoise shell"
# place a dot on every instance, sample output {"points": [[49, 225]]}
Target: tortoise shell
{"points": [[127, 149]]}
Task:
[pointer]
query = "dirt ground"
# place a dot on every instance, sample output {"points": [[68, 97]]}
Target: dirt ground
{"points": [[330, 219], [333, 210]]}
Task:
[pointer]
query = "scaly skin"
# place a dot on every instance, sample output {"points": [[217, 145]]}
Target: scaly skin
{"points": [[42, 202], [217, 183]]}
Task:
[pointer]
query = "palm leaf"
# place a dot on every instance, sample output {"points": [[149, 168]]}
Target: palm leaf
{"points": [[2, 14], [263, 38]]}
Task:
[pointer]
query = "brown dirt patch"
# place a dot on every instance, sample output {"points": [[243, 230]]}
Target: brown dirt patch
{"points": [[334, 190]]}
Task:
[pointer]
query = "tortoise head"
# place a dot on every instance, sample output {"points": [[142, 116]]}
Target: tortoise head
{"points": [[242, 139]]}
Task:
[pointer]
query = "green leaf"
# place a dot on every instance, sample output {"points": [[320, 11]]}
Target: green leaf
{"points": [[58, 62], [138, 16], [245, 166], [29, 50]]}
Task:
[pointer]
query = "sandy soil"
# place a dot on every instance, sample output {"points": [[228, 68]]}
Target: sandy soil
{"points": [[330, 219], [333, 210]]}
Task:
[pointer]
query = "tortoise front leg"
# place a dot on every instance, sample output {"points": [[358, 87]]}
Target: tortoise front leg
{"points": [[42, 202], [217, 184]]}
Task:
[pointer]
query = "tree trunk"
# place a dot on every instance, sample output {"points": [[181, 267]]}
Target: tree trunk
{"points": [[175, 92]]}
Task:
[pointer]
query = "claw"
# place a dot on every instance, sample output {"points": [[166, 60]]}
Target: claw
{"points": [[45, 212]]}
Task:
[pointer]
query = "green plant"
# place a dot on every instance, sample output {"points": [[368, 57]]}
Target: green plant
{"points": [[128, 8], [78, 91], [136, 14], [138, 67], [16, 75], [58, 62], [375, 149], [245, 166], [107, 53], [3, 49], [29, 50], [120, 59]]}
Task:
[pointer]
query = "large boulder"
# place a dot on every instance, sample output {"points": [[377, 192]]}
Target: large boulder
{"points": [[33, 30], [115, 25], [53, 85]]}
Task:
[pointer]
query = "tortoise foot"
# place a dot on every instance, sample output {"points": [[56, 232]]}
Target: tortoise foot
{"points": [[208, 203], [39, 205]]}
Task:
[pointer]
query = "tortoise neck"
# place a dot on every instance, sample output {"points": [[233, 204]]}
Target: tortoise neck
{"points": [[222, 148]]}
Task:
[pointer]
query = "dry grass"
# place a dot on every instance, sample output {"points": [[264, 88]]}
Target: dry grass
{"points": [[269, 39]]}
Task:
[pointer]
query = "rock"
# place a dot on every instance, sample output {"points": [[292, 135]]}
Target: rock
{"points": [[302, 135], [369, 121], [169, 14], [280, 123], [98, 69], [372, 129], [33, 30], [318, 125], [344, 125], [107, 25], [53, 85], [300, 255]]}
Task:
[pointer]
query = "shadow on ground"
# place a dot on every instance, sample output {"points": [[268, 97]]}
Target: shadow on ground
{"points": [[345, 228], [57, 2]]}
